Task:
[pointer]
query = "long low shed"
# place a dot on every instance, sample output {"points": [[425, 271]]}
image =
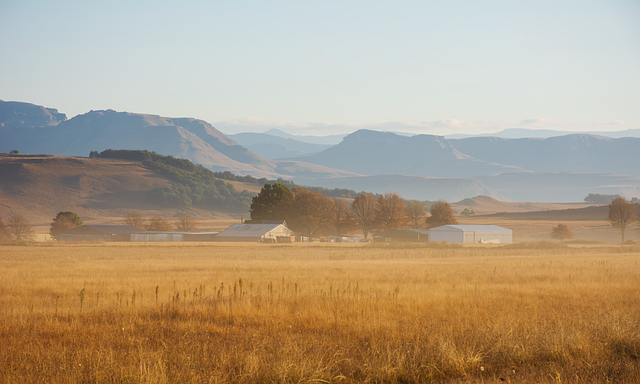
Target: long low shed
{"points": [[470, 234]]}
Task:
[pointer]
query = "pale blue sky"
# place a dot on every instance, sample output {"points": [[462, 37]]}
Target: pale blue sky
{"points": [[436, 66]]}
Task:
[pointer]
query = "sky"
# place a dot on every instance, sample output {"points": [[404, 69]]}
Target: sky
{"points": [[327, 67]]}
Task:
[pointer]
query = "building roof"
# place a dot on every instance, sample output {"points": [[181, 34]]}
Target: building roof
{"points": [[402, 232], [469, 228], [102, 230], [249, 230], [265, 222]]}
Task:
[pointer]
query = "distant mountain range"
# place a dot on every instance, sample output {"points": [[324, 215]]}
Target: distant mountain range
{"points": [[418, 167]]}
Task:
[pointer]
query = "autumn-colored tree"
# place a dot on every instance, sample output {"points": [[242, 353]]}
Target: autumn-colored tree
{"points": [[561, 232], [63, 221], [20, 228], [622, 213], [311, 213], [5, 234], [343, 221], [134, 219], [416, 215], [271, 203], [186, 223], [363, 208], [159, 223], [391, 211], [441, 214]]}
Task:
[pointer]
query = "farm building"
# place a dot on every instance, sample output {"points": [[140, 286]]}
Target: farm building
{"points": [[470, 234], [173, 236], [99, 232], [268, 231], [343, 239], [405, 235]]}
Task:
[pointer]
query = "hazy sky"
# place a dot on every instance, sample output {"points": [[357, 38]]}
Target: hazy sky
{"points": [[432, 66]]}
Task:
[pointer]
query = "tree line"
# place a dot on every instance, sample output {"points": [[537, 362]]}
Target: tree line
{"points": [[313, 214]]}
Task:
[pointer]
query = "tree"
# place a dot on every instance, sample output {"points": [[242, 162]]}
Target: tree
{"points": [[441, 214], [134, 219], [416, 214], [63, 221], [271, 203], [468, 211], [600, 199], [364, 212], [159, 223], [561, 232], [622, 213], [343, 221], [186, 223], [311, 213], [5, 233], [20, 228], [391, 211]]}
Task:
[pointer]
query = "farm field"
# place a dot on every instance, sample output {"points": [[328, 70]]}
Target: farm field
{"points": [[336, 313]]}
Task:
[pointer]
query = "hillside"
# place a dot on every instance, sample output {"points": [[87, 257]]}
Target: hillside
{"points": [[186, 138], [39, 186], [570, 153], [488, 205], [382, 153]]}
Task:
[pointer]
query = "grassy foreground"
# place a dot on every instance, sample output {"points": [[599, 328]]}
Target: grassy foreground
{"points": [[337, 313]]}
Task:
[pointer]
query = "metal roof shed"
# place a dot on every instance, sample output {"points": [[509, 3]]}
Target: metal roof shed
{"points": [[254, 232], [98, 232], [470, 234]]}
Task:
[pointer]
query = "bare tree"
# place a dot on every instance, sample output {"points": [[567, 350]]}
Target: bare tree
{"points": [[186, 223], [159, 223], [364, 212], [561, 232], [416, 215], [134, 219], [391, 211], [441, 214], [20, 228], [622, 213], [343, 221], [5, 233]]}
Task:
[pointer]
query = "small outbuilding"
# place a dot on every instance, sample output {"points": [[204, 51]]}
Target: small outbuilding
{"points": [[471, 234], [99, 232], [267, 232], [343, 239], [402, 235]]}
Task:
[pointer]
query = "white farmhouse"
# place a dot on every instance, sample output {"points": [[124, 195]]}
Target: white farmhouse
{"points": [[470, 234]]}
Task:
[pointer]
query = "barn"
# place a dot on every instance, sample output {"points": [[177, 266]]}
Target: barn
{"points": [[402, 235], [99, 232], [153, 236], [470, 234], [265, 231]]}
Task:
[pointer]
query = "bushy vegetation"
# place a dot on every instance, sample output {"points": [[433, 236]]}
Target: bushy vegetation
{"points": [[193, 185], [596, 198]]}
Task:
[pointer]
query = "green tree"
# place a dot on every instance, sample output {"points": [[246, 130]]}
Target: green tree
{"points": [[271, 203], [622, 213], [63, 221], [441, 214], [20, 228], [561, 232]]}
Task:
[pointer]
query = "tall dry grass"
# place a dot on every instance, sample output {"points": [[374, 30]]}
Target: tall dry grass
{"points": [[319, 313]]}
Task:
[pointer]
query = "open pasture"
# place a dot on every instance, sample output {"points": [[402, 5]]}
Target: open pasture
{"points": [[335, 313]]}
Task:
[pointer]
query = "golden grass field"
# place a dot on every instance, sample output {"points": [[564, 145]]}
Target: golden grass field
{"points": [[319, 313]]}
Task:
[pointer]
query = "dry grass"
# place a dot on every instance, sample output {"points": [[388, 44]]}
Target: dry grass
{"points": [[318, 313]]}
